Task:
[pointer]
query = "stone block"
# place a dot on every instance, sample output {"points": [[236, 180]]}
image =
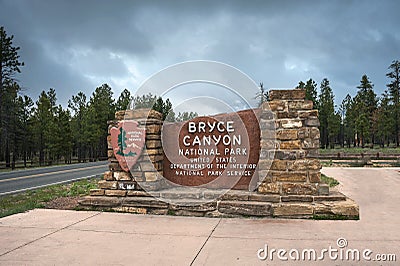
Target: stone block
{"points": [[308, 113], [290, 123], [194, 206], [304, 132], [290, 155], [115, 193], [245, 208], [309, 143], [297, 198], [264, 197], [323, 189], [314, 133], [110, 154], [268, 134], [290, 145], [312, 153], [181, 194], [100, 201], [235, 195], [143, 202], [107, 184], [153, 144], [267, 115], [149, 121], [153, 129], [153, 114], [333, 196], [109, 145], [312, 122], [289, 176], [314, 177], [285, 114], [157, 211], [266, 188], [153, 137], [280, 165], [300, 105], [314, 164], [346, 208], [96, 192], [108, 175], [125, 176], [140, 193], [293, 210], [275, 105], [287, 134], [269, 144], [296, 94], [151, 176], [114, 166], [189, 213], [298, 189], [147, 166], [267, 154], [156, 158], [158, 151], [138, 114], [267, 124], [131, 210], [138, 176]]}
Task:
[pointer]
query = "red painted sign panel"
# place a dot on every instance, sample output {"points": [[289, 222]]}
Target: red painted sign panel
{"points": [[127, 141]]}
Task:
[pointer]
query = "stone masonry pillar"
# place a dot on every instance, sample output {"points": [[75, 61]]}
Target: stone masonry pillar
{"points": [[147, 172], [294, 168]]}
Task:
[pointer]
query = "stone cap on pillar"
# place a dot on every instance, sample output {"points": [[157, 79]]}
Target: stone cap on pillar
{"points": [[138, 114], [296, 94]]}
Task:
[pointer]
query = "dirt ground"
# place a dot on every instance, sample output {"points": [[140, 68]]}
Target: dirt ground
{"points": [[64, 203]]}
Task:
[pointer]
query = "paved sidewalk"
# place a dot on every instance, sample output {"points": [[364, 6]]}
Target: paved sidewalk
{"points": [[54, 237]]}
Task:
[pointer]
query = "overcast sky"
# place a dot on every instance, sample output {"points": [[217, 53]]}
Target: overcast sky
{"points": [[76, 46]]}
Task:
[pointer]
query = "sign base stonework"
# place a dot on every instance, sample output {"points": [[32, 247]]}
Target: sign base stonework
{"points": [[285, 183]]}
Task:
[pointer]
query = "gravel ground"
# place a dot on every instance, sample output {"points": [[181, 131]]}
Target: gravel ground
{"points": [[65, 203]]}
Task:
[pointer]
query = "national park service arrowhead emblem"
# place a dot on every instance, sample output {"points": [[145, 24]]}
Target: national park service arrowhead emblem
{"points": [[127, 141]]}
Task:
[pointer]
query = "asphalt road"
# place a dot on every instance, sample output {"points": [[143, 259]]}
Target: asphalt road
{"points": [[18, 181]]}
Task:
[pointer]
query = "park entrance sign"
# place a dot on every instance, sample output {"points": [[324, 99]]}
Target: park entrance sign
{"points": [[213, 152], [255, 162]]}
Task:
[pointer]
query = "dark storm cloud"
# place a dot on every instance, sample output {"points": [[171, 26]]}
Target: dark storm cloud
{"points": [[78, 45]]}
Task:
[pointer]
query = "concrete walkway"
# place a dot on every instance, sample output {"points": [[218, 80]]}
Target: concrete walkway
{"points": [[54, 237]]}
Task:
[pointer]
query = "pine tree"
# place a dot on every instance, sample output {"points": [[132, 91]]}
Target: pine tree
{"points": [[311, 92], [394, 91], [9, 66], [347, 120], [329, 120], [124, 100], [365, 104], [78, 105], [101, 109]]}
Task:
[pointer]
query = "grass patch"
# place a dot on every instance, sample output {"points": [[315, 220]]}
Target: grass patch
{"points": [[171, 212], [32, 199], [357, 150], [329, 180]]}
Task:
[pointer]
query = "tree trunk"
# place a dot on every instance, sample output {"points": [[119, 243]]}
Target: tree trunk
{"points": [[8, 155]]}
